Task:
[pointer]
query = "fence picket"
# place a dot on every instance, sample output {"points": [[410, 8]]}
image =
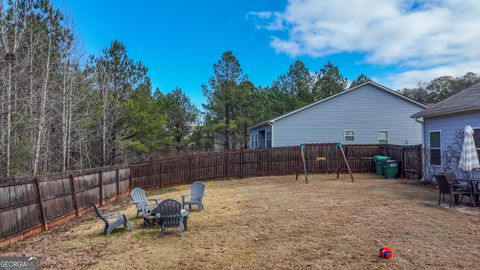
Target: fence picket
{"points": [[41, 205]]}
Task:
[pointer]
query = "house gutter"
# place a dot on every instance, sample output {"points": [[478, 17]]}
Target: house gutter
{"points": [[273, 133], [455, 111], [422, 122]]}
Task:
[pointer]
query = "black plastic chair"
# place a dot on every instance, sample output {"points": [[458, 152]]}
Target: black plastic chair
{"points": [[444, 187], [170, 215]]}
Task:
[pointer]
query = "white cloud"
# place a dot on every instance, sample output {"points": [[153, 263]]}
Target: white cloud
{"points": [[268, 20], [410, 78], [423, 37]]}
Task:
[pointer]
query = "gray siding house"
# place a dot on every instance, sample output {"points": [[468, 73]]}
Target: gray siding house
{"points": [[366, 114], [443, 126]]}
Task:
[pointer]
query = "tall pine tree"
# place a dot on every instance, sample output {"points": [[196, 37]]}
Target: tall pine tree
{"points": [[182, 116], [222, 99], [329, 81]]}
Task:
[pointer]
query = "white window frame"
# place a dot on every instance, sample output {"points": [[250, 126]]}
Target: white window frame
{"points": [[388, 135], [345, 135], [439, 148], [266, 139], [254, 140], [272, 135]]}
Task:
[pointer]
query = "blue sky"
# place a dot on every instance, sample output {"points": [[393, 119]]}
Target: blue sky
{"points": [[179, 41]]}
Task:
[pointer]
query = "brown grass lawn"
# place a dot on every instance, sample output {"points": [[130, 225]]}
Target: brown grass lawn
{"points": [[278, 223]]}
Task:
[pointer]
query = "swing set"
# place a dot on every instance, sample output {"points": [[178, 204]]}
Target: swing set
{"points": [[301, 162]]}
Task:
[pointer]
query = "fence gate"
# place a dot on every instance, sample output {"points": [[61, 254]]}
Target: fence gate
{"points": [[413, 162]]}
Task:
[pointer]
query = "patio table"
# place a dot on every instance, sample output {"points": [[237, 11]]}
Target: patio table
{"points": [[151, 219], [183, 213]]}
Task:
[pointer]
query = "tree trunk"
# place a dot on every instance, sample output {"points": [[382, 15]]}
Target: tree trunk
{"points": [[227, 124], [9, 120], [64, 118], [41, 122], [104, 126], [31, 99], [69, 123], [245, 128]]}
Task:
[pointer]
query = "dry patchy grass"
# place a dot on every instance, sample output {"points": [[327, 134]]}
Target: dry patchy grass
{"points": [[278, 223]]}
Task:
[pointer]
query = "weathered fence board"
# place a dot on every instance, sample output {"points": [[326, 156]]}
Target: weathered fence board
{"points": [[27, 203]]}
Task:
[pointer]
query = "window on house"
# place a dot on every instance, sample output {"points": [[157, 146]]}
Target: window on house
{"points": [[382, 136], [476, 137], [253, 143], [435, 149], [349, 135], [269, 139]]}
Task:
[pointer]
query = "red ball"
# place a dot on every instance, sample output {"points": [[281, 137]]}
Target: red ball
{"points": [[387, 255], [385, 252]]}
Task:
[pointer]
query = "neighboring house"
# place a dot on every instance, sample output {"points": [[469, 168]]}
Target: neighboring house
{"points": [[366, 114], [443, 126]]}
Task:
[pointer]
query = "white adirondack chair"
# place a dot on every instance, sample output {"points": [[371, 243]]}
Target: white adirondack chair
{"points": [[196, 196], [141, 201]]}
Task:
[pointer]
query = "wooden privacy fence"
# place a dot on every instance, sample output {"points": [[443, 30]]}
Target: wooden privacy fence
{"points": [[271, 161], [32, 204]]}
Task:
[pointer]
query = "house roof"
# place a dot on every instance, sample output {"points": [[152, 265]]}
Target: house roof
{"points": [[372, 83], [465, 100], [261, 124]]}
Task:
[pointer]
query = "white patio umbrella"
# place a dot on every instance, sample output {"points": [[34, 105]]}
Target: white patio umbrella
{"points": [[469, 156]]}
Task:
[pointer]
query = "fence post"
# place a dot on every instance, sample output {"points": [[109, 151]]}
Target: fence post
{"points": [[74, 195], [268, 159], [338, 161], [189, 169], [42, 207], [242, 165], [161, 174], [225, 163], [118, 184], [419, 155], [130, 178], [101, 186]]}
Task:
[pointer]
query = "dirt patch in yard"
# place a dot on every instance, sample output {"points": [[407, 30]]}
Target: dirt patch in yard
{"points": [[278, 223]]}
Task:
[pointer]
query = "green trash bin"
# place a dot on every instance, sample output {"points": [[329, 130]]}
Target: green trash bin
{"points": [[379, 164], [391, 168]]}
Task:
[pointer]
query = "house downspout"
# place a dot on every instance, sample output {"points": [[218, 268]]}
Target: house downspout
{"points": [[273, 140], [423, 145]]}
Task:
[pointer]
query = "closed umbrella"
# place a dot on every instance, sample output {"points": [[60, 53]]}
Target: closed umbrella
{"points": [[469, 156]]}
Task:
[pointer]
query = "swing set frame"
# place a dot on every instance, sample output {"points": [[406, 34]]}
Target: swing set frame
{"points": [[301, 162]]}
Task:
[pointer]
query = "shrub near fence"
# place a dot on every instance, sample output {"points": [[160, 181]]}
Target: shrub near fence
{"points": [[29, 205]]}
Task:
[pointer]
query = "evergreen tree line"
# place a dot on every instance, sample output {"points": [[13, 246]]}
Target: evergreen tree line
{"points": [[62, 111], [234, 103], [440, 88]]}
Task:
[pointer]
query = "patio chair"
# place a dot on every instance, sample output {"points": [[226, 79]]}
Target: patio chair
{"points": [[169, 215], [121, 219], [444, 187], [462, 184], [456, 182], [197, 191], [140, 200]]}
